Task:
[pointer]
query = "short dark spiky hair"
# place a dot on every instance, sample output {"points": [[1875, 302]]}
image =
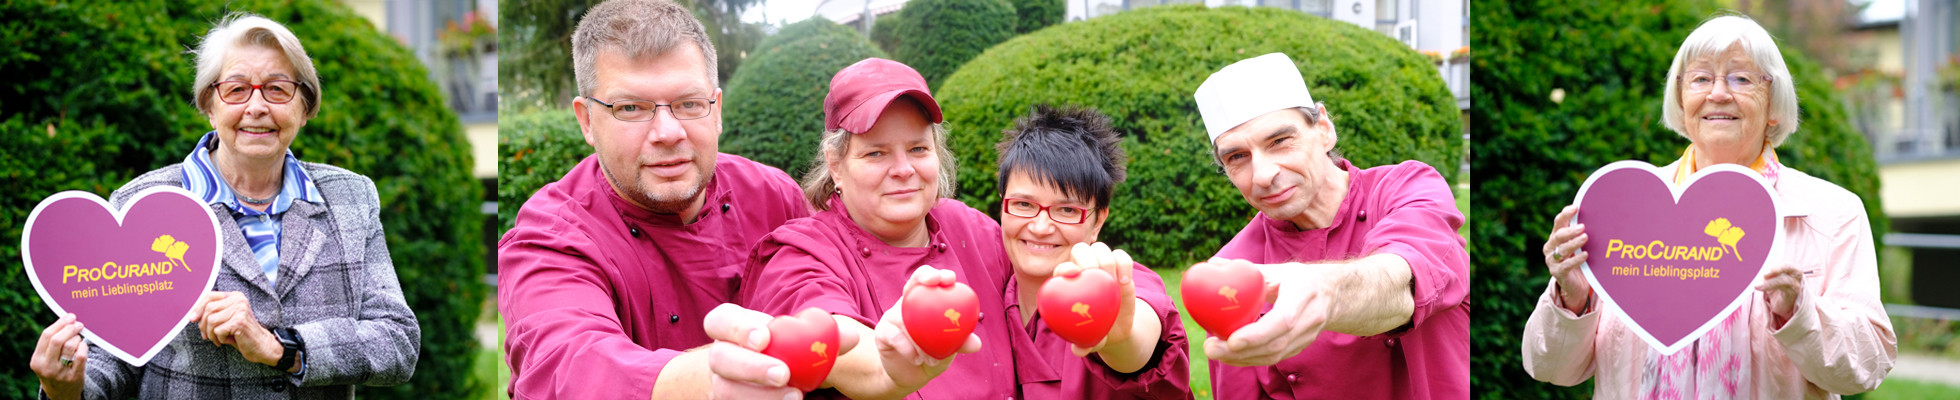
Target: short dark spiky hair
{"points": [[1069, 148]]}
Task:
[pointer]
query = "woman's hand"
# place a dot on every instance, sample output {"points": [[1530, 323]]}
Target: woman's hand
{"points": [[1781, 285], [1118, 264], [904, 362], [60, 358], [1564, 253], [226, 318]]}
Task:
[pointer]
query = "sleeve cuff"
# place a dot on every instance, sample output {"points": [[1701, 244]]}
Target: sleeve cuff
{"points": [[1427, 287], [1803, 320]]}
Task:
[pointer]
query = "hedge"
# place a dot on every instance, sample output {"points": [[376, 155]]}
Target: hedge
{"points": [[534, 149], [1610, 60], [97, 95], [534, 68], [884, 32], [773, 109], [1037, 14], [940, 35], [1140, 67]]}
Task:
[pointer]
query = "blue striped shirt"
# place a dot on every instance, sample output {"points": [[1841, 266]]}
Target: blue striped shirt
{"points": [[261, 228]]}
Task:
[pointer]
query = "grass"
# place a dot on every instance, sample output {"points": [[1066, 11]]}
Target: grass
{"points": [[490, 367], [1911, 389], [1194, 334]]}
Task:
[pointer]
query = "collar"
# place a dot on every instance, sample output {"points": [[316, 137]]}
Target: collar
{"points": [[1765, 164], [866, 242], [202, 179]]}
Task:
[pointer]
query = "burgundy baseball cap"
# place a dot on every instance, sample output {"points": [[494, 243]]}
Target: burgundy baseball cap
{"points": [[861, 91]]}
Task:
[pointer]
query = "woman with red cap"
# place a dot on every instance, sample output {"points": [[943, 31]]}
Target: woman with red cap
{"points": [[886, 224]]}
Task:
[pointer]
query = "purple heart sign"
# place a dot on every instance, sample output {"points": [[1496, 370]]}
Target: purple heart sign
{"points": [[1674, 261], [130, 276]]}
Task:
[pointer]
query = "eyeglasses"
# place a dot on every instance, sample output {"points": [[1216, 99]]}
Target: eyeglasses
{"points": [[239, 92], [1740, 81], [642, 110], [1029, 209]]}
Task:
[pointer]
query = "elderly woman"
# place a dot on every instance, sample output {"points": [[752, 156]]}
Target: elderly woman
{"points": [[1058, 168], [885, 226], [279, 323], [1815, 330]]}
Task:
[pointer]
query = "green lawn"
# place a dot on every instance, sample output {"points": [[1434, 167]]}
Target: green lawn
{"points": [[1896, 388], [1194, 334], [490, 367]]}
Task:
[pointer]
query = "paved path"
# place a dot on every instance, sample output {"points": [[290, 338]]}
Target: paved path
{"points": [[1927, 368]]}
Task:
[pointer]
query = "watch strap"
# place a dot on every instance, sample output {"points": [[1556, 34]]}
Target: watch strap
{"points": [[289, 339]]}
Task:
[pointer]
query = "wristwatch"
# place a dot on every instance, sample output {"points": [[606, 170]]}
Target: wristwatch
{"points": [[295, 347]]}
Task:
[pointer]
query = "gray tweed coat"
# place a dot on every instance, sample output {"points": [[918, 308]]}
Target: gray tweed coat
{"points": [[336, 285]]}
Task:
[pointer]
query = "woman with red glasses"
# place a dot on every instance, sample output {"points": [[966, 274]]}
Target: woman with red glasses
{"points": [[1058, 168]]}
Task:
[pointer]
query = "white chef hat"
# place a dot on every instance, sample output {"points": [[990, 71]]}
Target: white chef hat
{"points": [[1248, 89]]}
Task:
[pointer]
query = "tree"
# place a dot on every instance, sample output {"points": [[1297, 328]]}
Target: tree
{"points": [[535, 66], [774, 107], [1037, 14], [940, 35]]}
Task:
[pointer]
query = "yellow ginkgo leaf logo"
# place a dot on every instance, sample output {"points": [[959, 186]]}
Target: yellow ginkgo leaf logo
{"points": [[1230, 295], [1726, 233], [172, 248], [953, 315]]}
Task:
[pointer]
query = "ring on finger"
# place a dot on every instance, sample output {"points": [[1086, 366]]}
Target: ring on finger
{"points": [[1558, 255], [65, 361]]}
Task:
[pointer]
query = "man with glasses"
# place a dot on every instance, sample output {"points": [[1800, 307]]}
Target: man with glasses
{"points": [[613, 280], [1371, 276]]}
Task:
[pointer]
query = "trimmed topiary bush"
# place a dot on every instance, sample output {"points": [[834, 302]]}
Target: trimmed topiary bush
{"points": [[1037, 14], [533, 150], [773, 109], [940, 35], [1610, 60], [1140, 67], [93, 119], [884, 32]]}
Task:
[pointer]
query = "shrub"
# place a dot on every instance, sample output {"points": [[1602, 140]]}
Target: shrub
{"points": [[91, 120], [533, 150], [534, 66], [1037, 14], [1532, 153], [1140, 68], [940, 35], [773, 110], [884, 32]]}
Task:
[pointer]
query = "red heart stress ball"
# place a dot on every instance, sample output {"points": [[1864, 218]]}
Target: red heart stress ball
{"points": [[1223, 297], [1080, 308], [807, 342], [938, 318]]}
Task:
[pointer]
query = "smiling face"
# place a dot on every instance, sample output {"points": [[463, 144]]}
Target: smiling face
{"points": [[889, 175], [1280, 163], [1037, 244], [256, 129], [662, 164], [1727, 124]]}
